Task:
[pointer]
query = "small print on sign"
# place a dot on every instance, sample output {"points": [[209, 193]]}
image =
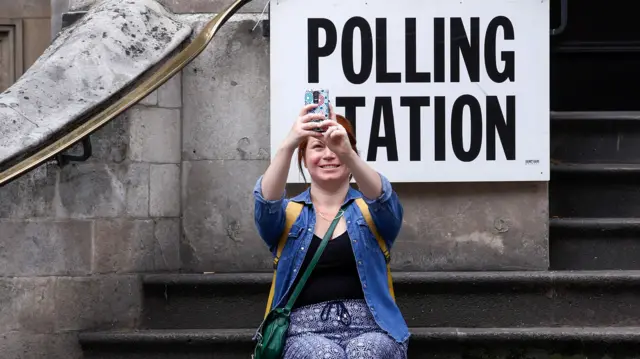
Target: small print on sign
{"points": [[437, 90]]}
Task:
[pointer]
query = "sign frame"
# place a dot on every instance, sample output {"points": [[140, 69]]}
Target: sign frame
{"points": [[511, 143]]}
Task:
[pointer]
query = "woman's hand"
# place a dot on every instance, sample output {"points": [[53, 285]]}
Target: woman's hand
{"points": [[336, 137], [303, 127]]}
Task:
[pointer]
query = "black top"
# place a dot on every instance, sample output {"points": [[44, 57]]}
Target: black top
{"points": [[334, 277]]}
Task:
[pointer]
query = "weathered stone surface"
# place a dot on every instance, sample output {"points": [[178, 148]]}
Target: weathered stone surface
{"points": [[125, 38], [31, 195], [39, 346], [218, 228], [90, 190], [108, 144], [27, 305], [181, 6], [170, 94], [38, 248], [480, 226], [470, 226], [155, 135], [94, 303], [164, 191], [122, 245], [83, 190], [484, 226], [167, 233], [232, 120]]}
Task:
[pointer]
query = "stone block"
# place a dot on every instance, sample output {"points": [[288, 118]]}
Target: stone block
{"points": [[40, 248], [27, 8], [232, 120], [150, 100], [31, 195], [155, 135], [164, 190], [181, 6], [37, 346], [219, 233], [88, 190], [170, 94], [97, 303], [27, 305], [125, 246], [473, 226]]}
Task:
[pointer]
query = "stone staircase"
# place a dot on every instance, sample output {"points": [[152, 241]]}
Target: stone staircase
{"points": [[594, 193], [461, 314], [586, 306]]}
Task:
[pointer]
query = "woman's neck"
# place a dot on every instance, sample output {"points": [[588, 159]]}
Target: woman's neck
{"points": [[324, 196]]}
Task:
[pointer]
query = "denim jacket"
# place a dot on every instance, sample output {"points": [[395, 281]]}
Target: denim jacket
{"points": [[386, 212]]}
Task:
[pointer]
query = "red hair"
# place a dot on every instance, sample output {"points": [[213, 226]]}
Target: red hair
{"points": [[302, 147]]}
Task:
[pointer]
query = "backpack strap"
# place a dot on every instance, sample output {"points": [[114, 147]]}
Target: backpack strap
{"points": [[364, 208], [292, 212]]}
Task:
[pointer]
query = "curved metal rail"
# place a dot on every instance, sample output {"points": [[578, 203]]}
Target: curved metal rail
{"points": [[155, 80]]}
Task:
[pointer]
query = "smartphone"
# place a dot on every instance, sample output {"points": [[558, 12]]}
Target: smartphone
{"points": [[321, 98]]}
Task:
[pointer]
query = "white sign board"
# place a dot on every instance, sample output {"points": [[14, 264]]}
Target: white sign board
{"points": [[439, 90]]}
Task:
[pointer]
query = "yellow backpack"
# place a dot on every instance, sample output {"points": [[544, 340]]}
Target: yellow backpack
{"points": [[293, 211]]}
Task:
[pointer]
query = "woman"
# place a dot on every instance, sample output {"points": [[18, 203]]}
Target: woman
{"points": [[346, 310]]}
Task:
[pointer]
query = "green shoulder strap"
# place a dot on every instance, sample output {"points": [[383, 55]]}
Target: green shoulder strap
{"points": [[314, 261]]}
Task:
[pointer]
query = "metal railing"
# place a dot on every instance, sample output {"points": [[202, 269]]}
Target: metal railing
{"points": [[155, 80]]}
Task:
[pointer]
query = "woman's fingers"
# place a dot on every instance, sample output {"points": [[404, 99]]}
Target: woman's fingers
{"points": [[312, 133], [315, 124], [312, 116], [308, 108]]}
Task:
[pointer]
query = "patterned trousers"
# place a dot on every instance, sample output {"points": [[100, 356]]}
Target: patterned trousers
{"points": [[339, 330]]}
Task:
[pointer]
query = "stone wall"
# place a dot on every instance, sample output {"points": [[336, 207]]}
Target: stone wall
{"points": [[74, 239], [169, 189], [457, 226]]}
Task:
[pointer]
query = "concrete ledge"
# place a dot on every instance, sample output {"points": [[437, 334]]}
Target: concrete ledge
{"points": [[153, 337], [216, 336], [542, 278], [596, 224], [596, 169], [595, 115]]}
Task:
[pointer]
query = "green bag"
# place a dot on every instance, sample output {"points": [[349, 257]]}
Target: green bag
{"points": [[272, 333]]}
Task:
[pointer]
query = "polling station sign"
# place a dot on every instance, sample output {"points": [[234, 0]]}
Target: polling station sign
{"points": [[438, 90]]}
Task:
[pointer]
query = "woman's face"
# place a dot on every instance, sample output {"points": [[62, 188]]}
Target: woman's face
{"points": [[322, 164]]}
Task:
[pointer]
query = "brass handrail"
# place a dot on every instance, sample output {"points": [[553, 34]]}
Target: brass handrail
{"points": [[157, 79]]}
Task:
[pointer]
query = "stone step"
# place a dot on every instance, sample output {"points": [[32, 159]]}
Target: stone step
{"points": [[594, 191], [586, 76], [594, 243], [497, 343], [427, 299], [595, 137]]}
